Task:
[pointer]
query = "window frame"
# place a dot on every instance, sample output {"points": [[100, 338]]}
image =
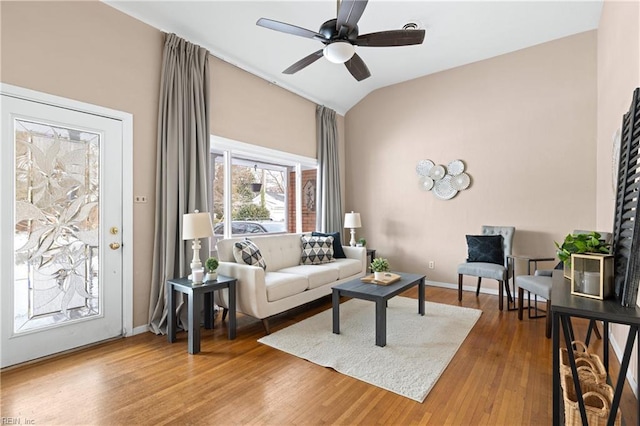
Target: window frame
{"points": [[230, 149]]}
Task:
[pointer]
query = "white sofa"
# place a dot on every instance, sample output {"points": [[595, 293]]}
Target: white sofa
{"points": [[285, 284]]}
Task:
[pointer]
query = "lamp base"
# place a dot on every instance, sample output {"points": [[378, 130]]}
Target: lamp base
{"points": [[352, 243], [197, 271]]}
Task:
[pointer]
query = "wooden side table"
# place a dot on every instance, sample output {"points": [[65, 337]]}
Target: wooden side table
{"points": [[195, 293]]}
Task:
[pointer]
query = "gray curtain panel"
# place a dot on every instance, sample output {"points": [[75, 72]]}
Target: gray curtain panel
{"points": [[181, 165], [329, 198]]}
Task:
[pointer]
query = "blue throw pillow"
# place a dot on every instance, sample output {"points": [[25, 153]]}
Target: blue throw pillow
{"points": [[338, 253], [485, 248]]}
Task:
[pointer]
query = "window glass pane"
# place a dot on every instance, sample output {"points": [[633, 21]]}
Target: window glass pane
{"points": [[258, 198], [263, 191]]}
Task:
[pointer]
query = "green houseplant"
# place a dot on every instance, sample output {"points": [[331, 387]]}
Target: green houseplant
{"points": [[211, 265], [379, 266], [361, 242], [580, 243]]}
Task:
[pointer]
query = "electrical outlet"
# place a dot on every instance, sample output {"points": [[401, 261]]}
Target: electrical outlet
{"points": [[432, 264], [140, 198]]}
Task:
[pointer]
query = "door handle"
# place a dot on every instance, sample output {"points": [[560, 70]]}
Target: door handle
{"points": [[114, 246]]}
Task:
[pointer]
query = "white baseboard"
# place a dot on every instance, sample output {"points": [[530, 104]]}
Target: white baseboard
{"points": [[619, 352], [139, 330], [492, 291]]}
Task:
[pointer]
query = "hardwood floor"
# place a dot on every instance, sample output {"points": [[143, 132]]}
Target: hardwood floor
{"points": [[500, 376]]}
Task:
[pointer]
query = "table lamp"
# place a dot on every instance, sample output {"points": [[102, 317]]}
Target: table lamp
{"points": [[352, 220], [196, 225]]}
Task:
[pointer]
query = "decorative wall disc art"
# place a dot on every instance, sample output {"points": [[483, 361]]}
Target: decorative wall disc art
{"points": [[426, 183], [445, 183], [437, 172], [461, 181], [443, 188], [455, 167], [423, 167]]}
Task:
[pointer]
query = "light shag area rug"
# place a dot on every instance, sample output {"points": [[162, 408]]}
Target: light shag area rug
{"points": [[418, 349]]}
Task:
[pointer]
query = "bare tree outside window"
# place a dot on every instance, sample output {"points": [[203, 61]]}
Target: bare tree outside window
{"points": [[252, 211]]}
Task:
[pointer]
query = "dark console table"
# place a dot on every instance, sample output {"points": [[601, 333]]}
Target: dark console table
{"points": [[564, 306]]}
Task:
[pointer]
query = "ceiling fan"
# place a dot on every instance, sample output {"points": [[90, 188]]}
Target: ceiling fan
{"points": [[341, 35]]}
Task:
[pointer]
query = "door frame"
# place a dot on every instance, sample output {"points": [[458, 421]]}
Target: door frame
{"points": [[127, 184]]}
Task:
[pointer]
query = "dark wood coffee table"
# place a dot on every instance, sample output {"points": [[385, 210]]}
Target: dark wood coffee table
{"points": [[379, 294]]}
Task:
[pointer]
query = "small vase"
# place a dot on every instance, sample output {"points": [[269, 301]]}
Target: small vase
{"points": [[378, 276], [211, 276]]}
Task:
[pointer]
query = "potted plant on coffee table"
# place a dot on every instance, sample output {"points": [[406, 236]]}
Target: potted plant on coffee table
{"points": [[211, 265], [579, 243], [379, 266]]}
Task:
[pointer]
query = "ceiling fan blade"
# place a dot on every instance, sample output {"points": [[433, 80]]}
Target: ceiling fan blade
{"points": [[350, 13], [357, 67], [289, 29], [304, 62], [391, 38]]}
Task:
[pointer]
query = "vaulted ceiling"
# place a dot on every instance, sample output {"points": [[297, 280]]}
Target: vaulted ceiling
{"points": [[457, 33]]}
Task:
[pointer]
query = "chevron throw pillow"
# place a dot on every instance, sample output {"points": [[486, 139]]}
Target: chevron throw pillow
{"points": [[485, 248], [316, 250], [247, 252]]}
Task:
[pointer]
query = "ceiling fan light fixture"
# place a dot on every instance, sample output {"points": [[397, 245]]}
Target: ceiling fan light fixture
{"points": [[339, 52]]}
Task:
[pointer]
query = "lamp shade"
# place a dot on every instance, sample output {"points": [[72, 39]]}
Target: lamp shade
{"points": [[339, 52], [352, 220], [196, 225]]}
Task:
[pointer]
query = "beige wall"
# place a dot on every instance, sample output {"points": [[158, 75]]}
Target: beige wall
{"points": [[91, 52], [523, 123], [618, 76], [249, 109]]}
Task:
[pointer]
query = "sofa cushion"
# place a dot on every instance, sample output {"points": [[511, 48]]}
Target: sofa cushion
{"points": [[485, 248], [280, 285], [316, 275], [347, 267], [316, 250], [338, 253], [279, 251], [247, 252]]}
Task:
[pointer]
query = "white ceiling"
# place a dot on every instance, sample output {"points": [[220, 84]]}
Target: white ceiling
{"points": [[457, 33]]}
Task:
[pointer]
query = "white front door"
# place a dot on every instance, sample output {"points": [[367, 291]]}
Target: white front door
{"points": [[61, 221]]}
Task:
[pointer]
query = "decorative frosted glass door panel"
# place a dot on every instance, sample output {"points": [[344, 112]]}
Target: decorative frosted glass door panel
{"points": [[57, 213], [61, 263]]}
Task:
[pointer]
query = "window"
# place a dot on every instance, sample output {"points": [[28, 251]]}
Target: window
{"points": [[257, 190]]}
